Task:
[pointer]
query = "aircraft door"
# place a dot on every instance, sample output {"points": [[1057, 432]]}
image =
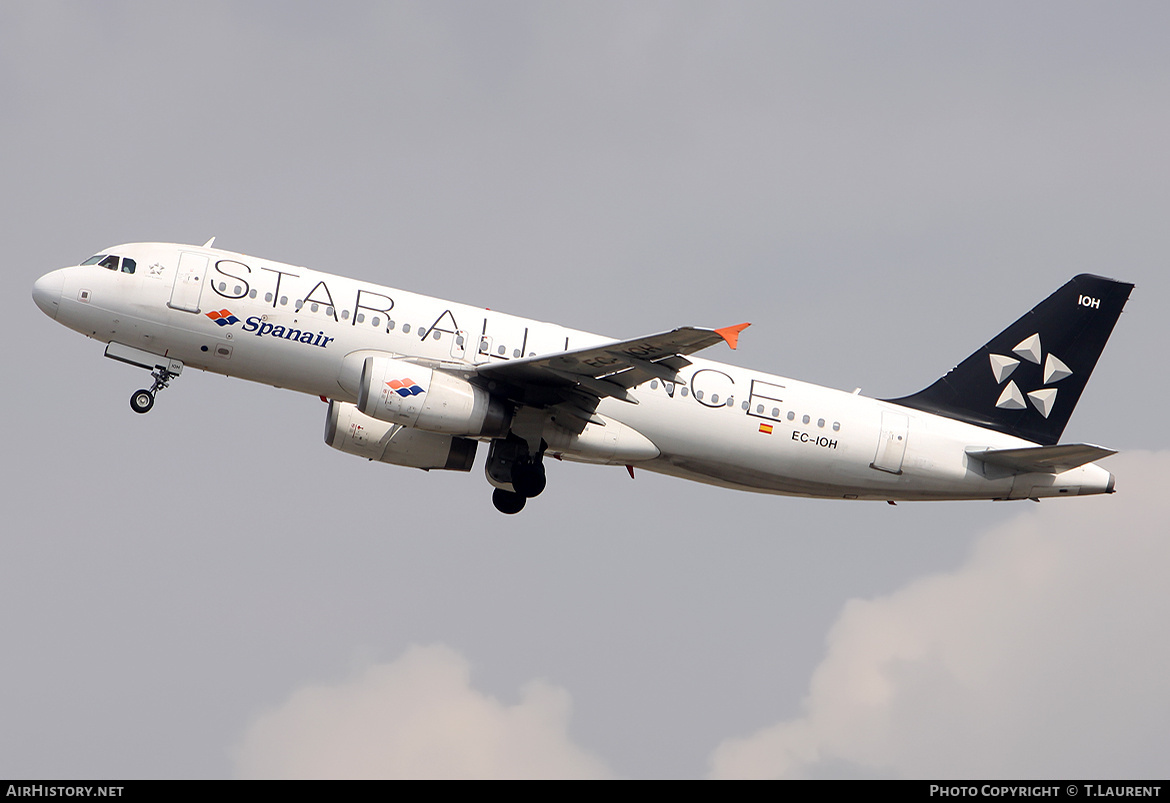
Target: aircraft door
{"points": [[891, 446], [188, 287], [459, 344], [483, 349], [466, 346]]}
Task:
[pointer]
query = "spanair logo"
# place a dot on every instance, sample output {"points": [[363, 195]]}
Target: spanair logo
{"points": [[223, 317], [259, 326], [405, 387], [1044, 398]]}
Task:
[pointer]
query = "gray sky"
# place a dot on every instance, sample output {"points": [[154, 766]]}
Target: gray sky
{"points": [[210, 591]]}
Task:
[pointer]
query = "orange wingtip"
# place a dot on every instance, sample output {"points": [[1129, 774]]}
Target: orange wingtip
{"points": [[731, 333]]}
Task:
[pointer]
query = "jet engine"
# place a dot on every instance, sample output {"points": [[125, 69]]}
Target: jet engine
{"points": [[347, 430], [418, 397]]}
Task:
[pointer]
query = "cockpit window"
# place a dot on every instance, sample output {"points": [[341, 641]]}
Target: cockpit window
{"points": [[110, 262]]}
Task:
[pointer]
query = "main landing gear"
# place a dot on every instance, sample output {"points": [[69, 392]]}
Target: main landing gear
{"points": [[142, 400], [516, 472], [508, 501]]}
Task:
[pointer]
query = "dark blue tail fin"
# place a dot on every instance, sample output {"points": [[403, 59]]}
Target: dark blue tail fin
{"points": [[1028, 378]]}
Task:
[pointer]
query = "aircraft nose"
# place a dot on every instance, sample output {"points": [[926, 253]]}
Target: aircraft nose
{"points": [[47, 292]]}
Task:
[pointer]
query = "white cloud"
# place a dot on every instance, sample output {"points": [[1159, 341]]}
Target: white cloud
{"points": [[417, 717], [1045, 655]]}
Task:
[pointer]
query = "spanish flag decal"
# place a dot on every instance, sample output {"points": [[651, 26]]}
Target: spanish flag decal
{"points": [[766, 429]]}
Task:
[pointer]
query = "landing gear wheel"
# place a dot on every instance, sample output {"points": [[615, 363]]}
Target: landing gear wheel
{"points": [[142, 401], [528, 479], [508, 502]]}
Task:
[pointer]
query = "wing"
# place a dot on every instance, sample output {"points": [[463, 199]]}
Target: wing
{"points": [[583, 376], [1043, 459]]}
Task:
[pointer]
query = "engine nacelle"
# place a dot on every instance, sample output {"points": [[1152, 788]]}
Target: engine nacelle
{"points": [[347, 430], [421, 398]]}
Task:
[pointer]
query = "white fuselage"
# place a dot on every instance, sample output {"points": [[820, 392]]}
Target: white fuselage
{"points": [[305, 330]]}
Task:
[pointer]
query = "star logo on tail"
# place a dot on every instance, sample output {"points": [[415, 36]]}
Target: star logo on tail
{"points": [[1028, 350]]}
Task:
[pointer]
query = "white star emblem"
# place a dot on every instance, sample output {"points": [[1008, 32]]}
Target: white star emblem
{"points": [[1012, 398]]}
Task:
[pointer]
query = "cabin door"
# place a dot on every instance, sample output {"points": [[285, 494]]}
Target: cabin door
{"points": [[891, 446], [188, 285]]}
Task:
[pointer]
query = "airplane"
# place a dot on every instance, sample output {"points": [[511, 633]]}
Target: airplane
{"points": [[421, 382]]}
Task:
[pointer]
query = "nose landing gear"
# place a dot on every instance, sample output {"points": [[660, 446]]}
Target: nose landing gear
{"points": [[161, 367], [142, 400]]}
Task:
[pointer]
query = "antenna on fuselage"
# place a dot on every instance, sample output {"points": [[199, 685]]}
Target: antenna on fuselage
{"points": [[208, 243]]}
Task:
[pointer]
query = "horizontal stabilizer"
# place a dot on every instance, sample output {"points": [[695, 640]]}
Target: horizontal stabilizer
{"points": [[1042, 459]]}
